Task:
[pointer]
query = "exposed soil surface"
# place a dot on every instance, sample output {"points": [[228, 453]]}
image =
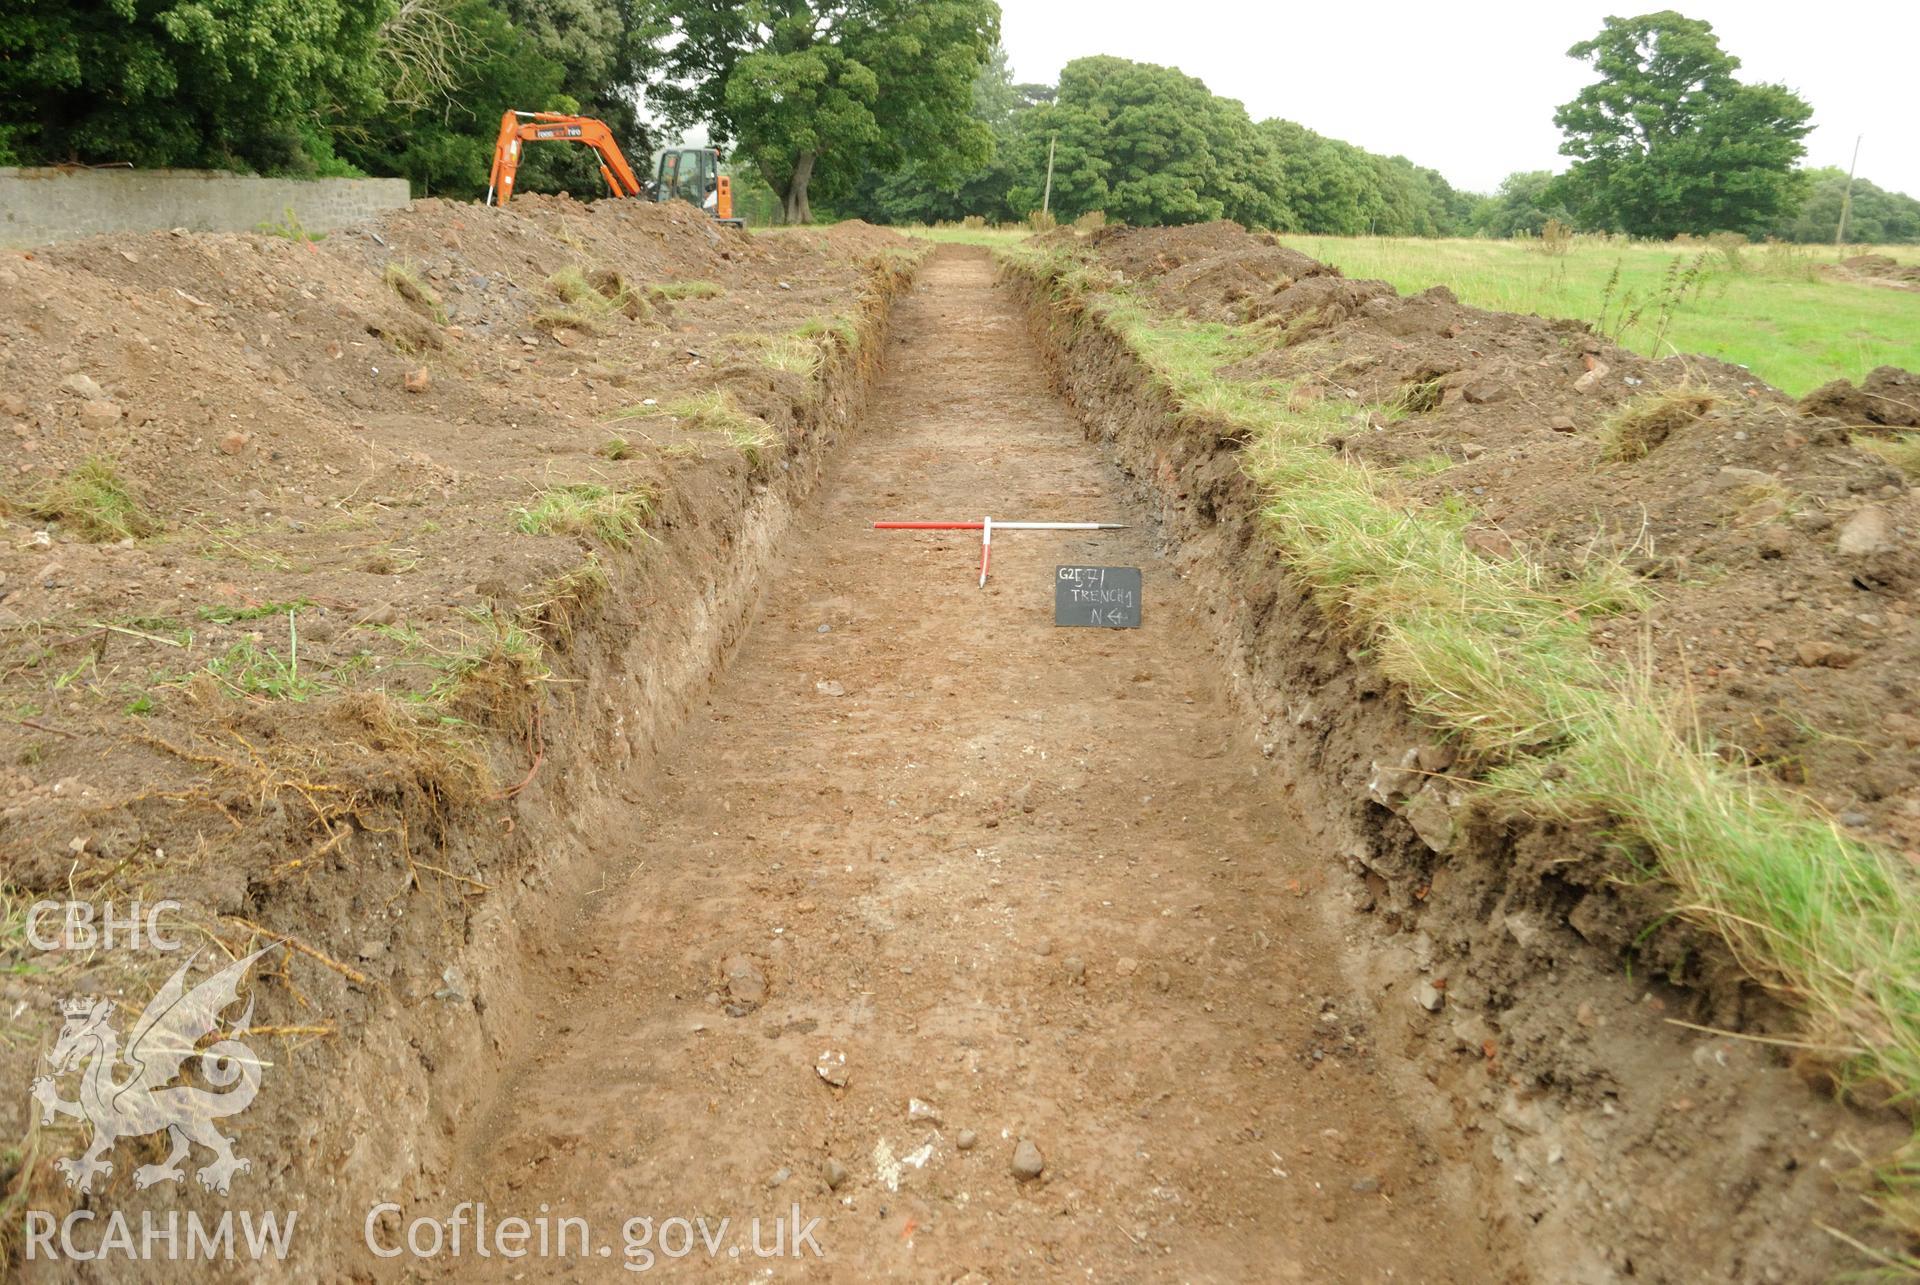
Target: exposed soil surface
{"points": [[1877, 270], [330, 691], [1784, 562], [750, 860], [1028, 876], [1580, 1031], [1887, 398]]}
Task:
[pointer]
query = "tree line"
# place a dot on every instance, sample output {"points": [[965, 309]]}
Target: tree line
{"points": [[1666, 140], [1146, 144], [891, 110], [313, 88], [415, 88]]}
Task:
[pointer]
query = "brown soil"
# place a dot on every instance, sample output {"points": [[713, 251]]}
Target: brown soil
{"points": [[1796, 641], [576, 935], [252, 393], [1877, 270], [1623, 1145], [1887, 398], [1032, 877]]}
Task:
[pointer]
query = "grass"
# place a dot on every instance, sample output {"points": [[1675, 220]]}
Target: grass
{"points": [[966, 234], [843, 331], [795, 354], [488, 670], [565, 599], [587, 508], [227, 615], [1416, 397], [495, 654], [1425, 465], [587, 303], [716, 411], [1645, 423], [1902, 450], [252, 670], [673, 290], [406, 283], [290, 228], [1496, 653], [1772, 313], [94, 503]]}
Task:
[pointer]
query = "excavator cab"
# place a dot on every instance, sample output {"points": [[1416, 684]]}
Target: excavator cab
{"points": [[692, 174]]}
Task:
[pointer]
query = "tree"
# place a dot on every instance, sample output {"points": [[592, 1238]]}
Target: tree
{"points": [[604, 49], [1522, 206], [1327, 189], [226, 83], [1144, 144], [444, 143], [912, 194], [1335, 188], [813, 90], [1667, 141], [1877, 217]]}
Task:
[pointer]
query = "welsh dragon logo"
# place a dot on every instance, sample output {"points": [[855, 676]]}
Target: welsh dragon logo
{"points": [[167, 1034]]}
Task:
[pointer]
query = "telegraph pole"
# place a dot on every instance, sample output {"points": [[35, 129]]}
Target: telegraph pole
{"points": [[1846, 201], [1046, 197]]}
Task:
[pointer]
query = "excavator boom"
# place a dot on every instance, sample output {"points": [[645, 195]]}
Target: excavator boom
{"points": [[518, 128], [690, 173]]}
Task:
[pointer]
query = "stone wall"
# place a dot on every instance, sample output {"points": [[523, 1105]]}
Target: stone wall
{"points": [[40, 206]]}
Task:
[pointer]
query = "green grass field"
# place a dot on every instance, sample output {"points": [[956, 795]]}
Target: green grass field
{"points": [[959, 233], [1772, 312]]}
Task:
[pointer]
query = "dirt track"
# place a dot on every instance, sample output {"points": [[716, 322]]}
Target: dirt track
{"points": [[1029, 876]]}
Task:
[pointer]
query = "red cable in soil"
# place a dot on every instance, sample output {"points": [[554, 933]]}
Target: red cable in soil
{"points": [[539, 757]]}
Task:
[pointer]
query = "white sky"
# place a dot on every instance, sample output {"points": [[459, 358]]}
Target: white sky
{"points": [[1469, 89]]}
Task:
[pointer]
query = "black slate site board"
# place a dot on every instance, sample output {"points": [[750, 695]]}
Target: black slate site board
{"points": [[1097, 597]]}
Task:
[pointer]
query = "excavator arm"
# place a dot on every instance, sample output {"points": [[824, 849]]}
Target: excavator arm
{"points": [[519, 128]]}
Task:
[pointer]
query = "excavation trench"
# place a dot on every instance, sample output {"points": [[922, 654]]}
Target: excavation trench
{"points": [[918, 869], [795, 796], [1035, 880]]}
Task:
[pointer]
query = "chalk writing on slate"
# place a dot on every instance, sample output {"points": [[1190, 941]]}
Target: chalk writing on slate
{"points": [[1098, 597]]}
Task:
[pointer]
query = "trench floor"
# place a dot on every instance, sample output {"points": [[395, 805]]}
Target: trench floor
{"points": [[1035, 878]]}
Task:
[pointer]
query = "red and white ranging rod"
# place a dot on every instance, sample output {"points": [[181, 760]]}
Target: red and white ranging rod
{"points": [[987, 526]]}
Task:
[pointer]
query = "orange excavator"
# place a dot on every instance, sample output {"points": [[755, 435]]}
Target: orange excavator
{"points": [[690, 174]]}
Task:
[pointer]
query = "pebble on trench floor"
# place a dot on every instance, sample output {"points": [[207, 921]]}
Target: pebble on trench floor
{"points": [[966, 1140], [746, 984], [836, 1175], [1027, 1161], [1076, 969], [832, 1066]]}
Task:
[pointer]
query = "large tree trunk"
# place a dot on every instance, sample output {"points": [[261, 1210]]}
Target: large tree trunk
{"points": [[797, 209]]}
